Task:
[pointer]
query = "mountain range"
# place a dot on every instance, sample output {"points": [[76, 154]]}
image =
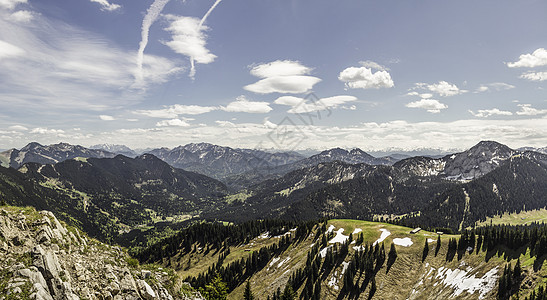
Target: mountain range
{"points": [[157, 186]]}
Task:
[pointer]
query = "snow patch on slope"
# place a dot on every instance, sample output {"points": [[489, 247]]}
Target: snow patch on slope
{"points": [[383, 236]]}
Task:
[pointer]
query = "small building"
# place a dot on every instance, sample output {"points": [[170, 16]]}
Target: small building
{"points": [[415, 230], [440, 232]]}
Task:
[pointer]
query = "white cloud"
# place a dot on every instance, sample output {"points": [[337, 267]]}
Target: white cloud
{"points": [[242, 104], [57, 66], [363, 78], [484, 113], [280, 68], [11, 4], [304, 105], [18, 128], [9, 50], [173, 122], [282, 76], [283, 84], [152, 14], [537, 59], [431, 105], [535, 76], [106, 118], [498, 86], [174, 111], [528, 110], [373, 65], [22, 16], [445, 89], [41, 130], [106, 6], [188, 38]]}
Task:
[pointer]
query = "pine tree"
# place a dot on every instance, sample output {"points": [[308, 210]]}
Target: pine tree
{"points": [[216, 290], [517, 271], [248, 294], [288, 293]]}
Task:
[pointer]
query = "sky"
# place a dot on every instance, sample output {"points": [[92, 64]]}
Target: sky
{"points": [[282, 74]]}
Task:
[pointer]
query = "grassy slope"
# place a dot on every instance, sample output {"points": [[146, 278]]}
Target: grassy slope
{"points": [[401, 282], [524, 217]]}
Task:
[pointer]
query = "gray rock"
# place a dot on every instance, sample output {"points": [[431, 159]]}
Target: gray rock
{"points": [[145, 274], [146, 291], [40, 292]]}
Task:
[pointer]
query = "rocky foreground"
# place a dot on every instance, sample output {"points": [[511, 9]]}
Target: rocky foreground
{"points": [[42, 259]]}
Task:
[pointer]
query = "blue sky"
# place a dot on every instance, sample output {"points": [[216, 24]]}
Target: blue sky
{"points": [[268, 73]]}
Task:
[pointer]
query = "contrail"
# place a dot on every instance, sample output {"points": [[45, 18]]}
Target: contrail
{"points": [[151, 16], [208, 13], [192, 65]]}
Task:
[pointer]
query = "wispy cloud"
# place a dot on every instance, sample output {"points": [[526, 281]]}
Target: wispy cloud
{"points": [[107, 6], [151, 16], [535, 76], [173, 122], [11, 4], [174, 111], [303, 105], [59, 66], [22, 16], [106, 118], [431, 105], [485, 113], [528, 110], [496, 86], [242, 104]]}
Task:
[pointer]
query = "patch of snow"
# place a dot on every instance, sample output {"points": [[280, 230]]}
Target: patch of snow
{"points": [[330, 229], [359, 248], [323, 251], [265, 235], [469, 249], [293, 229], [273, 261], [405, 242], [430, 240], [345, 266], [339, 238], [332, 282], [283, 261], [357, 230], [461, 280], [383, 236], [312, 244], [453, 156]]}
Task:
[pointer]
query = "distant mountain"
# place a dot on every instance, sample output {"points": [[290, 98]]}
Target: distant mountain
{"points": [[219, 162], [257, 175], [471, 164], [34, 152], [453, 191], [117, 149], [540, 150]]}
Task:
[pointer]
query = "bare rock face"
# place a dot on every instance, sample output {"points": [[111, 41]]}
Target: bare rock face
{"points": [[48, 261]]}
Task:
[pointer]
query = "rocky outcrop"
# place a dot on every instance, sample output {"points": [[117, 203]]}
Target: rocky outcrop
{"points": [[41, 259]]}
